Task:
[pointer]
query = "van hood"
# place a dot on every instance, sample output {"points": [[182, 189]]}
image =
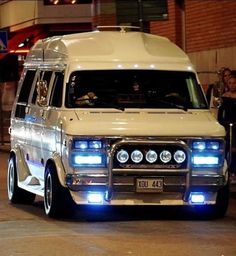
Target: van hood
{"points": [[144, 123]]}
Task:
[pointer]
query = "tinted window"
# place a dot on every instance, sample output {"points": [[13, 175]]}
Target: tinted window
{"points": [[24, 93], [26, 86], [57, 88], [134, 89], [45, 76]]}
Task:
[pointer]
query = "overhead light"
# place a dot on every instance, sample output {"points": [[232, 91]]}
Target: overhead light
{"points": [[54, 1], [26, 43]]}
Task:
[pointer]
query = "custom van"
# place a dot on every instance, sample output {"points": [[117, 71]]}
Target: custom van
{"points": [[114, 118]]}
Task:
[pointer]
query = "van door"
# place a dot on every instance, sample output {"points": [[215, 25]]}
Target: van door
{"points": [[51, 113], [35, 126], [20, 119]]}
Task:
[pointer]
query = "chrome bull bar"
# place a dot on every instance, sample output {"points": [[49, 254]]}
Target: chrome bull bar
{"points": [[127, 141]]}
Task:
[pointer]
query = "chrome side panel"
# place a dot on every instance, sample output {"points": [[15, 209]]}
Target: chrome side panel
{"points": [[61, 173], [21, 167]]}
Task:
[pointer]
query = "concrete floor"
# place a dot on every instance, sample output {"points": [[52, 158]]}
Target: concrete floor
{"points": [[26, 231]]}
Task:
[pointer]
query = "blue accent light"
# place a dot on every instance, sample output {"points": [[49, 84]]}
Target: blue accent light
{"points": [[207, 153], [88, 153], [206, 159], [95, 198], [197, 198], [88, 159]]}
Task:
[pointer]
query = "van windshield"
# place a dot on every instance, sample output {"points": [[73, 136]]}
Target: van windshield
{"points": [[134, 89]]}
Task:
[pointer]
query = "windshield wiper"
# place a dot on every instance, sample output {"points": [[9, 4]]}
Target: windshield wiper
{"points": [[170, 104], [108, 104], [175, 105], [97, 102]]}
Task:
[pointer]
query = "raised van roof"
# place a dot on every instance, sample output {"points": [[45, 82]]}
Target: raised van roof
{"points": [[110, 50]]}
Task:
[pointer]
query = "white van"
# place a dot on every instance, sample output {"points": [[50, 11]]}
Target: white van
{"points": [[114, 118]]}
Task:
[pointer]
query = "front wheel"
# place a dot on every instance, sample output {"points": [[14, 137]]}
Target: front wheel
{"points": [[15, 194], [222, 202], [57, 199]]}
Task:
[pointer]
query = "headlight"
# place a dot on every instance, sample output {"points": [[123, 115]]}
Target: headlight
{"points": [[80, 144], [199, 145], [122, 156], [88, 154], [208, 153], [165, 156], [84, 144], [179, 156], [202, 145], [151, 156], [137, 156]]}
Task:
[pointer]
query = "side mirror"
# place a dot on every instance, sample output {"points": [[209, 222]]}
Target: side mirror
{"points": [[42, 92]]}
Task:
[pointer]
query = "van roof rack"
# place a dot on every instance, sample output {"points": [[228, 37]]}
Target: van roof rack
{"points": [[121, 28]]}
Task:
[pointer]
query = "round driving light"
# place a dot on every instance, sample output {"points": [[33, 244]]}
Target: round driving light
{"points": [[165, 156], [137, 156], [122, 156], [179, 156], [151, 156]]}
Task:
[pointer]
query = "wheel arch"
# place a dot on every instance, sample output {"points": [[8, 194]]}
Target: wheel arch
{"points": [[20, 163], [59, 167]]}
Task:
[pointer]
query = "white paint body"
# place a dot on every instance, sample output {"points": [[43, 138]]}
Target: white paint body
{"points": [[44, 133]]}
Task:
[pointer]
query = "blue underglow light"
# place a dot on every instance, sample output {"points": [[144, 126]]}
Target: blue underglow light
{"points": [[197, 198], [95, 198]]}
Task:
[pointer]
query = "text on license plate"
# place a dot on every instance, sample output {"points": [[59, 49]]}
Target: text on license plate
{"points": [[149, 185]]}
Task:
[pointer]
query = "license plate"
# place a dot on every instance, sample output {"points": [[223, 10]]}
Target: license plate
{"points": [[149, 185]]}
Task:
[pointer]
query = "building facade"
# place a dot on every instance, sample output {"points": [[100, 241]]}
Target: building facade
{"points": [[206, 30]]}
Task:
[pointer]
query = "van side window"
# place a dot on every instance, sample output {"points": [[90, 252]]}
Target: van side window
{"points": [[57, 88], [24, 93], [43, 76]]}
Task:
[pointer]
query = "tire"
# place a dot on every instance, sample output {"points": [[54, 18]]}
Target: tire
{"points": [[222, 201], [15, 194], [57, 199], [219, 209]]}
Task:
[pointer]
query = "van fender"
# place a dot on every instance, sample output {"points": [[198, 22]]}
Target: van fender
{"points": [[56, 160], [20, 163]]}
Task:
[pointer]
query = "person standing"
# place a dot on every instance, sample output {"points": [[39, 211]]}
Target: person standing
{"points": [[216, 90], [227, 117]]}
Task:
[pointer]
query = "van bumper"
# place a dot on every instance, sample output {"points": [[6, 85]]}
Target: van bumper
{"points": [[124, 190]]}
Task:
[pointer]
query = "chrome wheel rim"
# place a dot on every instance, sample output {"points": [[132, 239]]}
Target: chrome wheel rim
{"points": [[10, 181], [48, 193]]}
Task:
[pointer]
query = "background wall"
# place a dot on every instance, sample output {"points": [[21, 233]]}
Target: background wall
{"points": [[206, 30]]}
